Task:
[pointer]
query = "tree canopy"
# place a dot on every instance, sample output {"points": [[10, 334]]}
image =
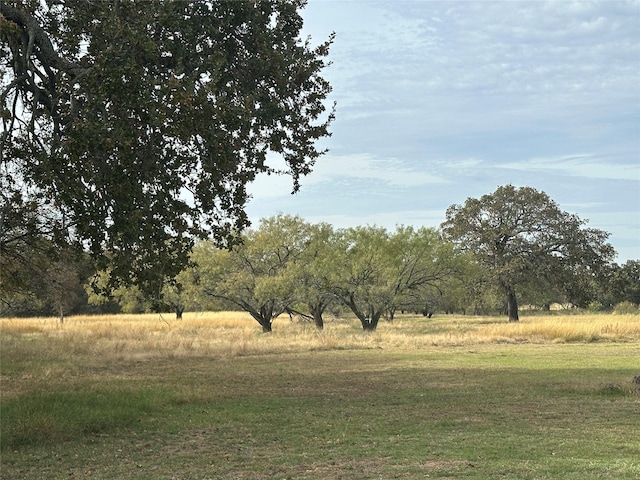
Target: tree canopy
{"points": [[140, 123], [255, 275], [377, 272], [289, 265], [520, 235]]}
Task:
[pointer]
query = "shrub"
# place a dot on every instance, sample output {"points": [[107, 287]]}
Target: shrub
{"points": [[596, 307], [625, 308]]}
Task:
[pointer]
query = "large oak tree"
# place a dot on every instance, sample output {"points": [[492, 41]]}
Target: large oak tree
{"points": [[141, 122], [521, 236]]}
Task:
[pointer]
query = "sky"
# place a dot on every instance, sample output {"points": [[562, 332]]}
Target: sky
{"points": [[440, 101]]}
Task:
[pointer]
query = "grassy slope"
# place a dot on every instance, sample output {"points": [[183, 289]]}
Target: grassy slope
{"points": [[340, 404]]}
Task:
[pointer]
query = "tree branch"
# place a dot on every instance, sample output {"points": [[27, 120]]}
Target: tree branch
{"points": [[45, 52], [40, 80]]}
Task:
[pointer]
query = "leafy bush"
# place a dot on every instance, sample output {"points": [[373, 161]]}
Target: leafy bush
{"points": [[596, 307], [626, 308]]}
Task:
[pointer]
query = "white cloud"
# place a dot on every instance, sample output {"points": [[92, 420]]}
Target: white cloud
{"points": [[389, 172], [580, 165], [440, 100], [388, 220], [486, 64]]}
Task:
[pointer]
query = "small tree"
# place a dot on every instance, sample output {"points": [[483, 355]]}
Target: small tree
{"points": [[173, 296], [311, 273], [362, 279], [520, 235], [377, 271], [421, 262], [254, 275], [63, 281]]}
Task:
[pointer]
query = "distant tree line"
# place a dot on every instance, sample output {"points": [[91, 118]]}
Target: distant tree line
{"points": [[513, 247]]}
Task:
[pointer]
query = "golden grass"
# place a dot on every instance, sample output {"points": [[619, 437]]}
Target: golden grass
{"points": [[149, 335], [226, 334], [568, 328]]}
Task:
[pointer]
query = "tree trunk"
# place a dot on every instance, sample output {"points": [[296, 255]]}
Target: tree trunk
{"points": [[369, 324], [179, 312], [512, 305], [316, 313], [263, 317], [369, 320], [265, 322], [391, 313]]}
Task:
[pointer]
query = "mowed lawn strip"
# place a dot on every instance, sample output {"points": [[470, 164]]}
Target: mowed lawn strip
{"points": [[471, 411]]}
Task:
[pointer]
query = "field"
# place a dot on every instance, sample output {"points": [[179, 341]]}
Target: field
{"points": [[211, 397]]}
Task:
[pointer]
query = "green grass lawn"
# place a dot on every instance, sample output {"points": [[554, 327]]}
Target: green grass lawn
{"points": [[485, 411]]}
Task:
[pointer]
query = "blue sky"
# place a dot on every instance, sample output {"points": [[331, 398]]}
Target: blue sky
{"points": [[441, 101]]}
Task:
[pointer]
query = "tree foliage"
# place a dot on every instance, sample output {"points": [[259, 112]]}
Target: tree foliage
{"points": [[521, 236], [311, 273], [361, 279], [624, 283], [37, 276], [421, 263], [23, 251], [255, 275], [141, 123], [377, 272], [289, 265]]}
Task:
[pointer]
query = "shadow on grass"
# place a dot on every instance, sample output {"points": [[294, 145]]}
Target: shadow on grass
{"points": [[53, 417]]}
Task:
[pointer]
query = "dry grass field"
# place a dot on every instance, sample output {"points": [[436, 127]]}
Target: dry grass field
{"points": [[211, 397], [229, 334]]}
